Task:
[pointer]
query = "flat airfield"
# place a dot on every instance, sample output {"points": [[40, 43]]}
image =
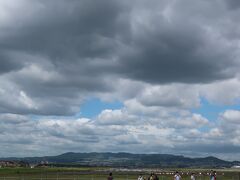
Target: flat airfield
{"points": [[101, 173]]}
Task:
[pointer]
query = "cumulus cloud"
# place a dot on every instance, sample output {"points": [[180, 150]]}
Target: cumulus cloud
{"points": [[115, 130], [174, 95], [110, 131], [229, 122], [223, 92], [159, 58], [231, 116]]}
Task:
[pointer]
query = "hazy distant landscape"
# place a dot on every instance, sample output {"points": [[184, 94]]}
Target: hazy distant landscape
{"points": [[128, 160]]}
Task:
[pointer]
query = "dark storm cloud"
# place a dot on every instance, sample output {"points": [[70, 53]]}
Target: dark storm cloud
{"points": [[8, 64], [181, 47], [75, 36], [62, 51], [232, 4], [161, 59], [83, 37], [67, 30], [67, 49]]}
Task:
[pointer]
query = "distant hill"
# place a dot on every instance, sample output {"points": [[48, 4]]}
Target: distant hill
{"points": [[128, 160]]}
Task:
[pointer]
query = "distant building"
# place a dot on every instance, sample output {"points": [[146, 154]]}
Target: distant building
{"points": [[43, 164], [4, 163], [8, 164]]}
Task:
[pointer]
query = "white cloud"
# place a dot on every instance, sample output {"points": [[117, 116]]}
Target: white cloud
{"points": [[215, 132], [115, 117], [231, 116], [174, 95], [222, 92]]}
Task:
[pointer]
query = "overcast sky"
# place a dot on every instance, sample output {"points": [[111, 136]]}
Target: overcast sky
{"points": [[139, 76]]}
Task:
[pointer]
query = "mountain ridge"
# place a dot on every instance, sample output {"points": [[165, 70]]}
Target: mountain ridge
{"points": [[123, 159]]}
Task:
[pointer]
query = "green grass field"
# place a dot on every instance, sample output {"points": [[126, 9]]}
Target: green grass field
{"points": [[101, 174]]}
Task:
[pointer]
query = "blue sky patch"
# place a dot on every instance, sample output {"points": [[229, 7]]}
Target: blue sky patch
{"points": [[92, 107], [211, 111]]}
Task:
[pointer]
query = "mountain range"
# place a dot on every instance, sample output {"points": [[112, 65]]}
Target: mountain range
{"points": [[127, 160]]}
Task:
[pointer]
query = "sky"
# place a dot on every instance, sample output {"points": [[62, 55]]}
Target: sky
{"points": [[139, 76]]}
